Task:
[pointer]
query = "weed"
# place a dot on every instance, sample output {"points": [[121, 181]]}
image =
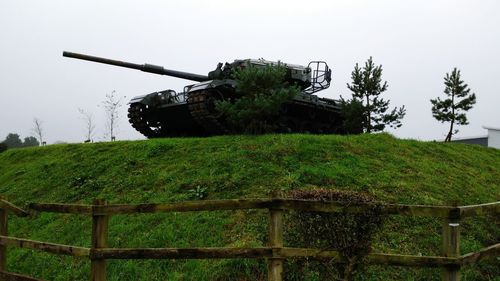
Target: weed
{"points": [[198, 193]]}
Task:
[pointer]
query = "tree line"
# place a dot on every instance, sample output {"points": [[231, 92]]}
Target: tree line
{"points": [[13, 140], [111, 105]]}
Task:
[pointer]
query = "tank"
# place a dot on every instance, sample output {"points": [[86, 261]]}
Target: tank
{"points": [[192, 112]]}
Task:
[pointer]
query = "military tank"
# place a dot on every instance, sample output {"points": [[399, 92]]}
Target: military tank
{"points": [[192, 111]]}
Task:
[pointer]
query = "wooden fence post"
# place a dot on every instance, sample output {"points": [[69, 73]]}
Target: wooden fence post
{"points": [[4, 232], [99, 240], [275, 265], [451, 247]]}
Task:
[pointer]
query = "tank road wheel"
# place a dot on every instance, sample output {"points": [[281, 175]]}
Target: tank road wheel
{"points": [[214, 96], [202, 107], [137, 114], [288, 125]]}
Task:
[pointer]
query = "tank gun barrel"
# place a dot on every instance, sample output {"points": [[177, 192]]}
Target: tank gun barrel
{"points": [[150, 68]]}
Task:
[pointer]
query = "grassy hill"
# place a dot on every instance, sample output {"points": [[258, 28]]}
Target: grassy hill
{"points": [[166, 170]]}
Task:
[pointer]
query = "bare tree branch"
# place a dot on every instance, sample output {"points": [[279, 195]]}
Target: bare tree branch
{"points": [[111, 105], [88, 118], [38, 129]]}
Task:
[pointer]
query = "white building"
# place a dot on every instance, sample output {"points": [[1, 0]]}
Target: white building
{"points": [[493, 137], [490, 140]]}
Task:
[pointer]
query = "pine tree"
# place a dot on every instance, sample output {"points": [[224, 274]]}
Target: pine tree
{"points": [[366, 89], [261, 91], [454, 107]]}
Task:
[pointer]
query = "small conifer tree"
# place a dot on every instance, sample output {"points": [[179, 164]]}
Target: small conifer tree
{"points": [[458, 101], [261, 92], [366, 88]]}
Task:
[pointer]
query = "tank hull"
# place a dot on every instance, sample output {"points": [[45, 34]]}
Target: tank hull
{"points": [[195, 114]]}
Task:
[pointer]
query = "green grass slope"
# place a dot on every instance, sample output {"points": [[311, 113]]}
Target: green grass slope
{"points": [[164, 170]]}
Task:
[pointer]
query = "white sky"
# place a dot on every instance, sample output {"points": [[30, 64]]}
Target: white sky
{"points": [[417, 42]]}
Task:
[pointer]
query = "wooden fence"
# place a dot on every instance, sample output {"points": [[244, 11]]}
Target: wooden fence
{"points": [[450, 261]]}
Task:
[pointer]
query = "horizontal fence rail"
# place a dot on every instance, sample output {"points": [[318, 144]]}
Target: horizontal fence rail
{"points": [[62, 208], [266, 252], [9, 276], [480, 210], [284, 204], [276, 253], [53, 248], [485, 253], [9, 207]]}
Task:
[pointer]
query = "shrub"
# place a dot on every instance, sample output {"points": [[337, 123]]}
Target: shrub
{"points": [[3, 147], [353, 115], [348, 233]]}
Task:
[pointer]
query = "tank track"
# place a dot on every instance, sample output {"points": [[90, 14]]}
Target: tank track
{"points": [[136, 115], [200, 105], [315, 124]]}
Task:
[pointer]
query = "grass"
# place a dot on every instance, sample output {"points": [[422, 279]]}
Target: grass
{"points": [[168, 170]]}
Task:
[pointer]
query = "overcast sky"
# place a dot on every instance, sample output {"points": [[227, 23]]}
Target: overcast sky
{"points": [[417, 42]]}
